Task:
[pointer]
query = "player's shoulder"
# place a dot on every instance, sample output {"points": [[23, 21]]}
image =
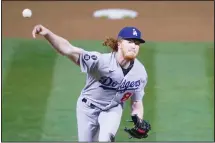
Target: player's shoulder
{"points": [[93, 55], [141, 67], [106, 57], [100, 54]]}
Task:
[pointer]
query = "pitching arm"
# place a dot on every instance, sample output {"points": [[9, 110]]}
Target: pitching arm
{"points": [[58, 43], [64, 47]]}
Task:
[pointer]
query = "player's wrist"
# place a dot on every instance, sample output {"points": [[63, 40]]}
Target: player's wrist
{"points": [[48, 34], [139, 115]]}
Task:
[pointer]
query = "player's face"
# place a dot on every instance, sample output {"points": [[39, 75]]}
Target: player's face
{"points": [[129, 48]]}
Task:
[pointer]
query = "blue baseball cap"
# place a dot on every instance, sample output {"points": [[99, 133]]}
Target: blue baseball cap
{"points": [[131, 33]]}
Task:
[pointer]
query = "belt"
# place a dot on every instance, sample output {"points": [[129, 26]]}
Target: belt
{"points": [[85, 101]]}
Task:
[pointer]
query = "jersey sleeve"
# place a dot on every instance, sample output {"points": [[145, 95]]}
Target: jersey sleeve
{"points": [[89, 61], [139, 93]]}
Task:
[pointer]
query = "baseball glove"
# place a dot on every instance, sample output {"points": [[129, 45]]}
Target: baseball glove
{"points": [[140, 129]]}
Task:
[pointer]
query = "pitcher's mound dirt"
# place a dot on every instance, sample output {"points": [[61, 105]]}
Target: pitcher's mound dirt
{"points": [[159, 21]]}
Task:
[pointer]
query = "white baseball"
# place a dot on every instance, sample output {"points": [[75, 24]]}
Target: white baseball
{"points": [[27, 13]]}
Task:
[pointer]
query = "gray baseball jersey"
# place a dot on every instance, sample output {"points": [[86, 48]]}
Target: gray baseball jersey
{"points": [[106, 86]]}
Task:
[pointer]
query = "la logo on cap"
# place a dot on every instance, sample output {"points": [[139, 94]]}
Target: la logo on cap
{"points": [[134, 32]]}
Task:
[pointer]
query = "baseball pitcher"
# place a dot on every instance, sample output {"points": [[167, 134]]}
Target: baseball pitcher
{"points": [[112, 79]]}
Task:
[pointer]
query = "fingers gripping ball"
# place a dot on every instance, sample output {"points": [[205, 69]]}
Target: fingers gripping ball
{"points": [[140, 129]]}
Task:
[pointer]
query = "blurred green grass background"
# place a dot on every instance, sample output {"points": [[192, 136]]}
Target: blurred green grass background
{"points": [[40, 89]]}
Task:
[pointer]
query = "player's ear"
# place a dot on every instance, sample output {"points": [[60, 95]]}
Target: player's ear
{"points": [[119, 43]]}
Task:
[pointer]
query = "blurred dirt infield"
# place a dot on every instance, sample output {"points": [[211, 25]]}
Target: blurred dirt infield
{"points": [[159, 21]]}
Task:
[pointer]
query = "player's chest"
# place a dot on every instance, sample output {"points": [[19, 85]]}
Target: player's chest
{"points": [[110, 79], [115, 80]]}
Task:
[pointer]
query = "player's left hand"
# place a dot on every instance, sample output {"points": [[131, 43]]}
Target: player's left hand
{"points": [[140, 129]]}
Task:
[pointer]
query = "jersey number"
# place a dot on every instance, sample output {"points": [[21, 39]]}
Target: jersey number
{"points": [[126, 96]]}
